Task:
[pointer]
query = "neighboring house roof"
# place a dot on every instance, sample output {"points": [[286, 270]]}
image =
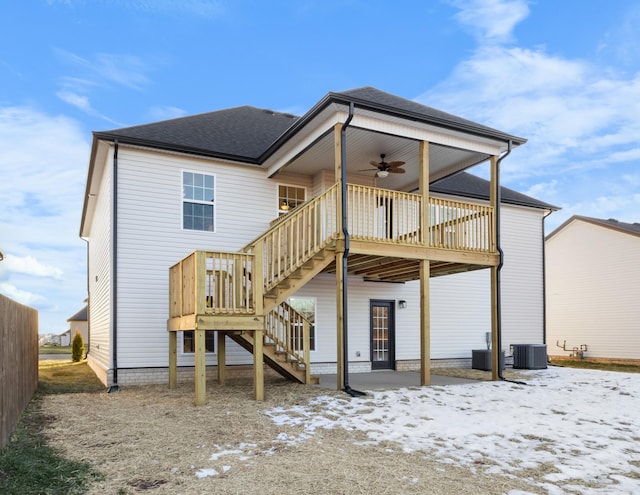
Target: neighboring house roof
{"points": [[611, 223], [80, 315], [251, 134], [471, 186]]}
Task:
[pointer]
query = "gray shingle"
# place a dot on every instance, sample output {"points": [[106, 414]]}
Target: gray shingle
{"points": [[472, 186], [242, 133]]}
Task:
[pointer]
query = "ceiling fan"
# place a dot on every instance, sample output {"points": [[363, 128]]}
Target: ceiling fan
{"points": [[385, 168]]}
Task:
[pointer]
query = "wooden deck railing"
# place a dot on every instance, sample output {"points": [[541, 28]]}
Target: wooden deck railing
{"points": [[207, 282], [462, 226], [290, 332], [221, 283], [383, 215], [295, 237], [387, 216]]}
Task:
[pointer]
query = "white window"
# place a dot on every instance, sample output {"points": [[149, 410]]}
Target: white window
{"points": [[289, 197], [189, 342], [306, 306], [198, 201]]}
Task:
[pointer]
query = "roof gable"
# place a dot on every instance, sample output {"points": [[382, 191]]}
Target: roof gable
{"points": [[80, 315], [387, 102], [611, 223]]}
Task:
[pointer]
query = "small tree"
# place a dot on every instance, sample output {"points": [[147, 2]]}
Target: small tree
{"points": [[77, 347]]}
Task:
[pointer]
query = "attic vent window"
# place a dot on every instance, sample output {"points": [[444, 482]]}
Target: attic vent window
{"points": [[198, 201]]}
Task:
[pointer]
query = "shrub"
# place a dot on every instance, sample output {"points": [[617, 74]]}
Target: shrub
{"points": [[77, 347]]}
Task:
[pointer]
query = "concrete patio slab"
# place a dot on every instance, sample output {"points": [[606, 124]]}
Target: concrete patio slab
{"points": [[386, 379]]}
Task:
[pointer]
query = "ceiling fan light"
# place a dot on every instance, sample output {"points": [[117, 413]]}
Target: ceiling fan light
{"points": [[383, 173]]}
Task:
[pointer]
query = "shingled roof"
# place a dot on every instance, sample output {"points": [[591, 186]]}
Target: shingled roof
{"points": [[251, 134], [240, 133], [472, 186]]}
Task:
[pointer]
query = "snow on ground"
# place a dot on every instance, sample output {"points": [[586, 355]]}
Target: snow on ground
{"points": [[581, 427]]}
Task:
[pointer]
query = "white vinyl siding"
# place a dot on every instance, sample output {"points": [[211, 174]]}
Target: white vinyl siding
{"points": [[99, 275], [593, 291], [147, 249], [522, 276], [151, 239]]}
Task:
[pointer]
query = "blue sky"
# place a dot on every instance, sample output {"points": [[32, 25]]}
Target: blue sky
{"points": [[563, 74]]}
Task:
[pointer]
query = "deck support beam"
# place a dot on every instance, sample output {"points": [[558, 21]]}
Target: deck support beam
{"points": [[337, 129], [222, 358], [425, 326], [173, 359], [425, 307], [200, 367], [258, 366]]}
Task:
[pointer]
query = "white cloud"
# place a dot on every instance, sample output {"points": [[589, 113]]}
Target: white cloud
{"points": [[491, 20], [160, 112], [22, 296], [43, 168], [31, 266], [581, 118]]}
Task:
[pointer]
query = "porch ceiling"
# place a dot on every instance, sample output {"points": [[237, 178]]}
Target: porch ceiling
{"points": [[364, 146]]}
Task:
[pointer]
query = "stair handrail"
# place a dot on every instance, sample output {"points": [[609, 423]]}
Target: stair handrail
{"points": [[291, 242], [290, 332]]}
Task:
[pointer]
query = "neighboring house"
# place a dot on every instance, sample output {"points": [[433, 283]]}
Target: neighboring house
{"points": [[79, 323], [65, 338], [251, 201], [593, 289]]}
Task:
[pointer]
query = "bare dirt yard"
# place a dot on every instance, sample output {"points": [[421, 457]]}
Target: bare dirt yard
{"points": [[154, 440]]}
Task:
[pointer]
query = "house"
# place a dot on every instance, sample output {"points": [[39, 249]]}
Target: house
{"points": [[79, 323], [593, 289], [346, 240], [65, 338]]}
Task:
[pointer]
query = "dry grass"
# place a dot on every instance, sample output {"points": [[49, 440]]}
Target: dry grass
{"points": [[153, 440]]}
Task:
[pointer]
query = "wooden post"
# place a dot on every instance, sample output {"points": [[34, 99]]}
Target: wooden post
{"points": [[258, 367], [258, 288], [425, 273], [173, 359], [306, 342], [425, 325], [201, 367], [423, 184], [493, 201], [339, 258], [222, 358]]}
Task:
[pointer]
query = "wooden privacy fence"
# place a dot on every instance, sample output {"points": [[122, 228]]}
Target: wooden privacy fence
{"points": [[18, 362]]}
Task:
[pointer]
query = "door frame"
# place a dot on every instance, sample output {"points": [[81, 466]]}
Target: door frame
{"points": [[391, 334]]}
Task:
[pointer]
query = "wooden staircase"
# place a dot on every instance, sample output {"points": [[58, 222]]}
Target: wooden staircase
{"points": [[243, 295], [286, 336]]}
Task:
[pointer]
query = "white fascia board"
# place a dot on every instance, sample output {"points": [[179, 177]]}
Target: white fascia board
{"points": [[305, 138]]}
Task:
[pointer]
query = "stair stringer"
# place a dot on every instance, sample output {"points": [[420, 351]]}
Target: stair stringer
{"points": [[275, 360], [298, 279]]}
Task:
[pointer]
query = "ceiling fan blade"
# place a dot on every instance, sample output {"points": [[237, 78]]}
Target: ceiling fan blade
{"points": [[365, 170], [395, 164], [397, 170], [374, 164]]}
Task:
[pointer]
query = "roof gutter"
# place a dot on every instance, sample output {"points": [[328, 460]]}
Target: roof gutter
{"points": [[501, 254], [500, 264]]}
